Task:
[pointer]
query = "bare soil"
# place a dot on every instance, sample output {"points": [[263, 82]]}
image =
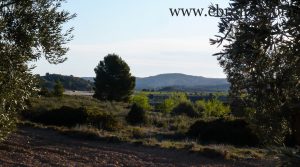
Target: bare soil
{"points": [[40, 147]]}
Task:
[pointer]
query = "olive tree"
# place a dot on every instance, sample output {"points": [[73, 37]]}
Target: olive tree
{"points": [[30, 30], [261, 58]]}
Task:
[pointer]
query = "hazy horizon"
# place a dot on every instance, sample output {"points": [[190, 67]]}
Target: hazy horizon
{"points": [[144, 34], [138, 76]]}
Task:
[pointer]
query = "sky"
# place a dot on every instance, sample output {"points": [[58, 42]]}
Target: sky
{"points": [[144, 34]]}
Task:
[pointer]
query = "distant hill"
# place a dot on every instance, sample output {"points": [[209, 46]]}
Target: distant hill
{"points": [[69, 82], [184, 82], [179, 82], [203, 88], [91, 79]]}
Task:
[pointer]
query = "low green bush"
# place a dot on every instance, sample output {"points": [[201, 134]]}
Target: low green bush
{"points": [[170, 103], [141, 100], [74, 110], [185, 108], [212, 108], [166, 106], [104, 121], [64, 116], [157, 119], [229, 131], [137, 115], [70, 117], [180, 123], [137, 133], [44, 92]]}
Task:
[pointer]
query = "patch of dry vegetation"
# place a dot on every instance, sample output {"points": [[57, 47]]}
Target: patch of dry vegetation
{"points": [[162, 130]]}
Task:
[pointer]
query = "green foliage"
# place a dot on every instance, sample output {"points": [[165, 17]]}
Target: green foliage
{"points": [[185, 108], [44, 92], [103, 120], [93, 112], [64, 116], [141, 100], [7, 124], [166, 106], [137, 115], [230, 131], [239, 108], [29, 30], [180, 123], [70, 117], [261, 60], [138, 133], [212, 108], [58, 89], [113, 80], [170, 103], [51, 103], [179, 98]]}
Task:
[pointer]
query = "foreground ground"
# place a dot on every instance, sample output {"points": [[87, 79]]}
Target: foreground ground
{"points": [[40, 147]]}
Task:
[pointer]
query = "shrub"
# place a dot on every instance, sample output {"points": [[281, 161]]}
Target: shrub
{"points": [[200, 107], [179, 97], [104, 121], [141, 100], [58, 89], [64, 116], [138, 133], [158, 120], [137, 115], [185, 108], [44, 92], [212, 108], [169, 104], [180, 124], [230, 131], [166, 106]]}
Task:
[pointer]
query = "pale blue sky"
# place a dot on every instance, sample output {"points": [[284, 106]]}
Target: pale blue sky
{"points": [[144, 34]]}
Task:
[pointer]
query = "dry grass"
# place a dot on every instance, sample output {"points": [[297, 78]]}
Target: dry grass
{"points": [[142, 136]]}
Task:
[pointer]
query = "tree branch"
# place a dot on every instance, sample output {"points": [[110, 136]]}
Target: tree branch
{"points": [[7, 4]]}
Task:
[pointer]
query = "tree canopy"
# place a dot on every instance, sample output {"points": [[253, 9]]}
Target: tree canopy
{"points": [[29, 30], [261, 58], [113, 81]]}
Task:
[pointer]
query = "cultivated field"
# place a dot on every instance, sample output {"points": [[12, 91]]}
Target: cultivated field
{"points": [[31, 146]]}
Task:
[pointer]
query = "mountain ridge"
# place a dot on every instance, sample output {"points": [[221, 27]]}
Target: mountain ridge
{"points": [[178, 81]]}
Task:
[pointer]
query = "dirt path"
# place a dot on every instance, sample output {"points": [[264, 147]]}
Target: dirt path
{"points": [[38, 147]]}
